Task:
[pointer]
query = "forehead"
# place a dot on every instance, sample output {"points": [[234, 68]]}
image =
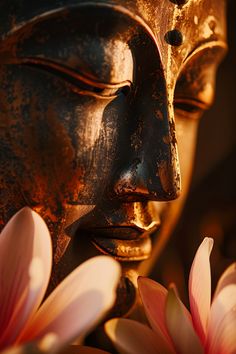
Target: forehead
{"points": [[196, 18], [200, 23]]}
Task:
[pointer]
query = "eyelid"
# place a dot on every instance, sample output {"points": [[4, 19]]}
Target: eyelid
{"points": [[190, 108], [74, 77], [192, 102], [220, 45]]}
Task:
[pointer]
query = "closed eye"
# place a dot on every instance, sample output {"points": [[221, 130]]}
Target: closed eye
{"points": [[80, 83], [190, 107]]}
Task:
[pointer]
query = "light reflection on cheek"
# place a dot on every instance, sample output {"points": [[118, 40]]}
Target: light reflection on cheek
{"points": [[90, 127]]}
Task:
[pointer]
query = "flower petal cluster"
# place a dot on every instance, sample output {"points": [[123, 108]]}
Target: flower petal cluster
{"points": [[209, 328], [72, 310]]}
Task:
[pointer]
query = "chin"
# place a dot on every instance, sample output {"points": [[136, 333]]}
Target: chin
{"points": [[131, 243]]}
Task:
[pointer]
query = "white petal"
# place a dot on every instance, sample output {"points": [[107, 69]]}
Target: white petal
{"points": [[24, 241], [222, 313], [227, 278], [224, 338], [200, 287], [77, 305], [131, 337]]}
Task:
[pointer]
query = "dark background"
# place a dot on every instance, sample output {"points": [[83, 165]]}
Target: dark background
{"points": [[210, 209]]}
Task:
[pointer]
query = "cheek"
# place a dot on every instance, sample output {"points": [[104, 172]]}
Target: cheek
{"points": [[186, 131], [62, 143], [93, 126]]}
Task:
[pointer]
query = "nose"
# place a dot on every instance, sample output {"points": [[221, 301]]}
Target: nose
{"points": [[141, 180], [150, 166]]}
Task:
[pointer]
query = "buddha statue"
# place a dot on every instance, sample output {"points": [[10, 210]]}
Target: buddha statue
{"points": [[100, 103]]}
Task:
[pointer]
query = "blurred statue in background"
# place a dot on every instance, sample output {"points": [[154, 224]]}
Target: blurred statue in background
{"points": [[99, 108]]}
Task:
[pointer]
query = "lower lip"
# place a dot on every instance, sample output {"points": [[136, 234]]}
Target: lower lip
{"points": [[124, 250]]}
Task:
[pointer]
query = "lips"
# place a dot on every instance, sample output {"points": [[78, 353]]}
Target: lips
{"points": [[123, 243], [121, 230]]}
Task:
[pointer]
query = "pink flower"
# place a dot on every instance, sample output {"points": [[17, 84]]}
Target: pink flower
{"points": [[210, 328], [73, 309]]}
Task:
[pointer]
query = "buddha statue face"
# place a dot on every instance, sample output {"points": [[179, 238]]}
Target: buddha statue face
{"points": [[99, 108]]}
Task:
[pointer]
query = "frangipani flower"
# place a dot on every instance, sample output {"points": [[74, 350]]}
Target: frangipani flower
{"points": [[73, 308], [210, 328]]}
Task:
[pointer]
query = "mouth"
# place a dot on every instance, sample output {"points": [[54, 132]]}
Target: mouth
{"points": [[124, 243]]}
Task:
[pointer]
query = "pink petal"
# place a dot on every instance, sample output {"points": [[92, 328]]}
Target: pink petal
{"points": [[153, 296], [77, 305], [200, 287], [224, 340], [221, 321], [228, 277], [25, 244], [180, 327], [131, 337]]}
